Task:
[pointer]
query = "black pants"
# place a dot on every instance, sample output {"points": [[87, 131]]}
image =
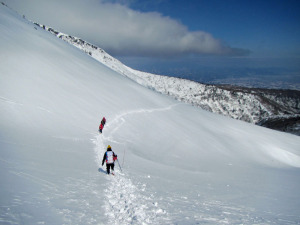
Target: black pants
{"points": [[108, 166]]}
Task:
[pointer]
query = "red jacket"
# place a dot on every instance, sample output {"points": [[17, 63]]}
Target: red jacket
{"points": [[101, 126], [103, 121]]}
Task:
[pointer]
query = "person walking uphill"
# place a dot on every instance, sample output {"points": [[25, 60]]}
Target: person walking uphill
{"points": [[101, 126], [103, 121], [109, 157]]}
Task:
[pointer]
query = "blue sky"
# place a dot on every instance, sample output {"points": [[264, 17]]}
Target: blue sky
{"points": [[177, 37], [171, 28], [265, 27]]}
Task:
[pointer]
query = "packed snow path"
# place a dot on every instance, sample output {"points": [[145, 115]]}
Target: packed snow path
{"points": [[126, 202]]}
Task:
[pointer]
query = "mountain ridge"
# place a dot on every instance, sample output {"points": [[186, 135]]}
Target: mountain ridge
{"points": [[253, 105], [181, 164]]}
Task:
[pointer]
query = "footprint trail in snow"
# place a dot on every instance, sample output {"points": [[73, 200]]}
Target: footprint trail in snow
{"points": [[126, 202]]}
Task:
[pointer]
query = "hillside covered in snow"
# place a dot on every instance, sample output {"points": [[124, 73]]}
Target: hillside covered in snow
{"points": [[180, 164], [276, 109]]}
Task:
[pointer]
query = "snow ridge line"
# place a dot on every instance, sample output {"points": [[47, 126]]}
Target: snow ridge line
{"points": [[125, 202]]}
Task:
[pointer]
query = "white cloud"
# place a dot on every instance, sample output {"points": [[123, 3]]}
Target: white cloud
{"points": [[120, 30]]}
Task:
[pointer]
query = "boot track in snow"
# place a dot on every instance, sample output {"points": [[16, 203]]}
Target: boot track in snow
{"points": [[126, 202]]}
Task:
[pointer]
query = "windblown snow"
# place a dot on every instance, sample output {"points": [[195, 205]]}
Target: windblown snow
{"points": [[180, 164]]}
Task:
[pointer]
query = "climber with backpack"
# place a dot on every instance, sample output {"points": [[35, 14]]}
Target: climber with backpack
{"points": [[103, 121], [109, 157], [101, 126]]}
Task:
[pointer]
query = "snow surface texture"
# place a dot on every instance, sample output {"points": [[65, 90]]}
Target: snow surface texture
{"points": [[181, 164], [248, 105]]}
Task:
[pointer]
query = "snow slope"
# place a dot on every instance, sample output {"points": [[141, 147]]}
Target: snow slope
{"points": [[181, 165], [247, 104]]}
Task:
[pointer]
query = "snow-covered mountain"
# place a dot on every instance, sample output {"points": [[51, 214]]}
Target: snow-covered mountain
{"points": [[251, 105], [181, 164]]}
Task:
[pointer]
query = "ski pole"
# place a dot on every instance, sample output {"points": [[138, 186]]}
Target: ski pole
{"points": [[119, 165], [123, 158]]}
